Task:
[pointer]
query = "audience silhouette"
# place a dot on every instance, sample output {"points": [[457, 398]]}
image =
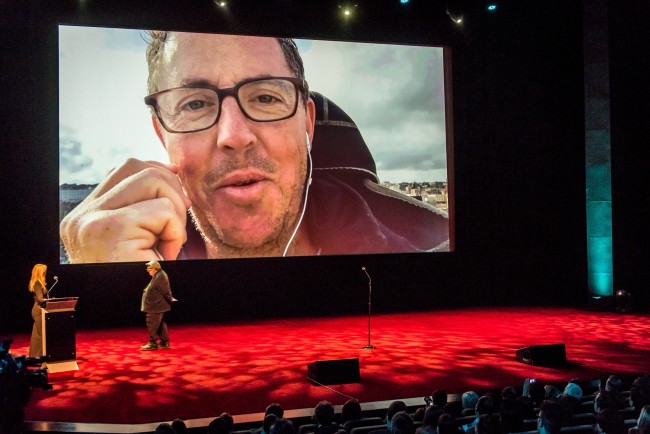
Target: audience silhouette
{"points": [[539, 410]]}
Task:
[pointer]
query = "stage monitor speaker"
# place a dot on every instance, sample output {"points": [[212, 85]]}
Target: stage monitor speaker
{"points": [[341, 371], [542, 355]]}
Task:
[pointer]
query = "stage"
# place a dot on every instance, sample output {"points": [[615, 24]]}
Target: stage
{"points": [[240, 368]]}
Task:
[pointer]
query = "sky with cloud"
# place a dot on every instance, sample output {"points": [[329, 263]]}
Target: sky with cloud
{"points": [[395, 94]]}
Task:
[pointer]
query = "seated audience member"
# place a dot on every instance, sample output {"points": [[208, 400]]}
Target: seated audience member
{"points": [[571, 397], [610, 421], [528, 407], [574, 390], [324, 418], [164, 428], [614, 385], [283, 426], [393, 408], [511, 415], [454, 408], [179, 426], [643, 423], [605, 399], [486, 404], [509, 393], [552, 417], [640, 393], [439, 398], [447, 425], [275, 409], [551, 392], [537, 393], [430, 421], [269, 420], [487, 425], [402, 423], [351, 410], [418, 415], [272, 409], [224, 424], [468, 401]]}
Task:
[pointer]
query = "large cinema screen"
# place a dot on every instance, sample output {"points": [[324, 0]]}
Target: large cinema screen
{"points": [[360, 166]]}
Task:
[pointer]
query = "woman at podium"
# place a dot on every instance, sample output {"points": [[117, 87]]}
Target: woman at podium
{"points": [[37, 286]]}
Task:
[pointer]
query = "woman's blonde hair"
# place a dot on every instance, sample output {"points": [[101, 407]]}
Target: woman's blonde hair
{"points": [[38, 275]]}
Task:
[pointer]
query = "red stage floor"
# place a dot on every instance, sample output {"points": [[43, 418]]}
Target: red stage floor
{"points": [[240, 368]]}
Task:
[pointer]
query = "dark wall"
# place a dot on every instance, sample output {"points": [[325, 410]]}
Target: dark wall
{"points": [[518, 166], [630, 106]]}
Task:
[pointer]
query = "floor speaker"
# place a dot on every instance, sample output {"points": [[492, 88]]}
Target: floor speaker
{"points": [[542, 355], [341, 371]]}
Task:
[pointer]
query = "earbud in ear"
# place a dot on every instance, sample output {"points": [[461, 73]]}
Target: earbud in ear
{"points": [[308, 142]]}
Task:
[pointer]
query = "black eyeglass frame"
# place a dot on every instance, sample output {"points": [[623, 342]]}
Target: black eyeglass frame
{"points": [[299, 85]]}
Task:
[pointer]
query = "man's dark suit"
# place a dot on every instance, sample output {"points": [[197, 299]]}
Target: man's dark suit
{"points": [[156, 300]]}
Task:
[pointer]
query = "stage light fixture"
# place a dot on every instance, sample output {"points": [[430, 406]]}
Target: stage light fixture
{"points": [[456, 17], [403, 1], [491, 6], [454, 10], [347, 9], [221, 3]]}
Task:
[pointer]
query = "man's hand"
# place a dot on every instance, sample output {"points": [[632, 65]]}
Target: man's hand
{"points": [[137, 213]]}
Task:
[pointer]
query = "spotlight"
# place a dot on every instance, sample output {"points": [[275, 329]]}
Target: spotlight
{"points": [[347, 9], [221, 3], [456, 17], [403, 1], [491, 6], [623, 301]]}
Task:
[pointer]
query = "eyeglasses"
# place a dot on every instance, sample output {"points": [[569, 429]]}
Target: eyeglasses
{"points": [[192, 108]]}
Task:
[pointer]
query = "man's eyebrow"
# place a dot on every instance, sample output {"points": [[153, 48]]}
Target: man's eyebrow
{"points": [[204, 82]]}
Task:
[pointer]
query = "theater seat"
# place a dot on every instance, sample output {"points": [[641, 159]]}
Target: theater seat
{"points": [[367, 429], [365, 421], [578, 429], [307, 428]]}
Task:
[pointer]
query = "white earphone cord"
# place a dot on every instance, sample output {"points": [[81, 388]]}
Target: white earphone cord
{"points": [[304, 203]]}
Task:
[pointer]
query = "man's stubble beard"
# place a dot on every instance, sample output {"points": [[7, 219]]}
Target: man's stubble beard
{"points": [[220, 245]]}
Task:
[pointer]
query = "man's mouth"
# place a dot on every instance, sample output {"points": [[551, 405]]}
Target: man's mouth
{"points": [[242, 187], [242, 183], [240, 179]]}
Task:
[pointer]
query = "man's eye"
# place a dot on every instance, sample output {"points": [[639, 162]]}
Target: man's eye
{"points": [[266, 99], [193, 105]]}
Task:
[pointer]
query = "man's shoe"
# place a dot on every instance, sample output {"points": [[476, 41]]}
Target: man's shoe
{"points": [[150, 346], [164, 346]]}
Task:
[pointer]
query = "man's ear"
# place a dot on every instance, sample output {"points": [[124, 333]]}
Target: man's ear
{"points": [[310, 119], [158, 128]]}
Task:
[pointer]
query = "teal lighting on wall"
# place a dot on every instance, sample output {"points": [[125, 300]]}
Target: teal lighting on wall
{"points": [[599, 229], [600, 262]]}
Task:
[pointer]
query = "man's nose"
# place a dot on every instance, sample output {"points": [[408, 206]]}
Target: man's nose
{"points": [[233, 126]]}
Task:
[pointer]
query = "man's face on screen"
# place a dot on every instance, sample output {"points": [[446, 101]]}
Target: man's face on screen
{"points": [[245, 178]]}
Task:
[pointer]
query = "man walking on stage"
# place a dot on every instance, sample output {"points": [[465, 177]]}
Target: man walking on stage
{"points": [[156, 300]]}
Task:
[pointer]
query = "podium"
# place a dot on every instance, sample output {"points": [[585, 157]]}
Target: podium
{"points": [[59, 334]]}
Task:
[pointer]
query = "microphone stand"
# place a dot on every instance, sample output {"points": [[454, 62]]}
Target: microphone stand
{"points": [[369, 346], [56, 280]]}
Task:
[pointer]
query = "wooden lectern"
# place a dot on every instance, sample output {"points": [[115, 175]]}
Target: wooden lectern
{"points": [[59, 334]]}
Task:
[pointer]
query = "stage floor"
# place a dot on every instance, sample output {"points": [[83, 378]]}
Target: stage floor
{"points": [[241, 368]]}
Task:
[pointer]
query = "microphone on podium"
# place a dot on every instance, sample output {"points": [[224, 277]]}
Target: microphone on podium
{"points": [[56, 280], [365, 271]]}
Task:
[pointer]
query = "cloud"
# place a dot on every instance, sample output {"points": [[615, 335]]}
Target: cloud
{"points": [[395, 95], [72, 161], [418, 161]]}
